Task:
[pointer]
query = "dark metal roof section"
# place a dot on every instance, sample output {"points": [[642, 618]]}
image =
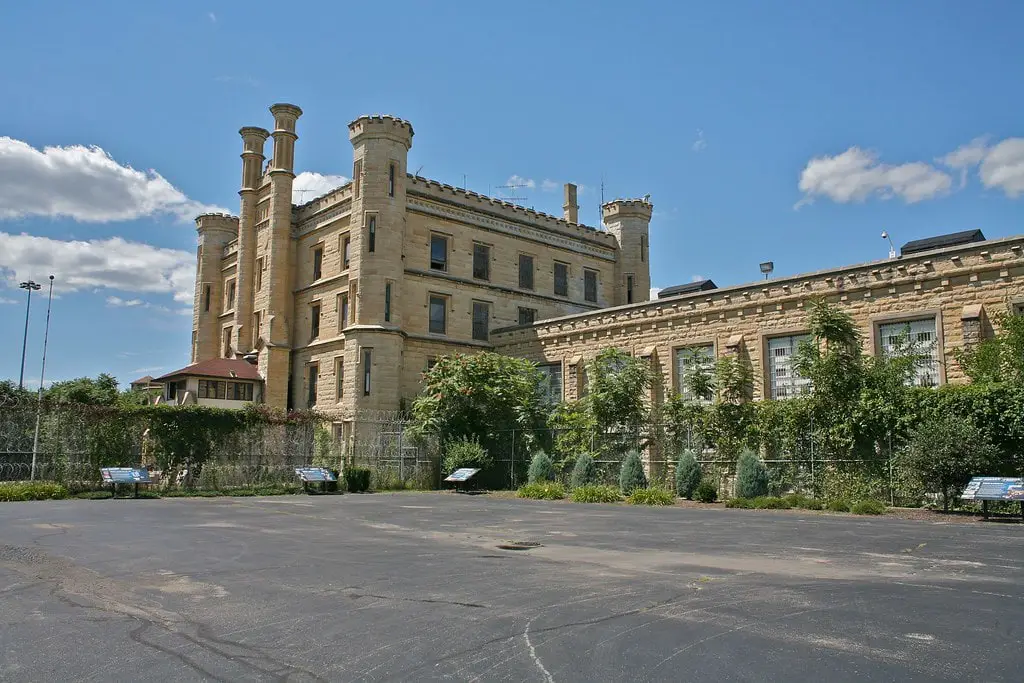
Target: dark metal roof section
{"points": [[688, 288], [951, 240]]}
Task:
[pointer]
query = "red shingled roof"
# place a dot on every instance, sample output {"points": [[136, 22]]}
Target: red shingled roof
{"points": [[228, 368]]}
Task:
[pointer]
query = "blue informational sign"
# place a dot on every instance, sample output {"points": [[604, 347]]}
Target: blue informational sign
{"points": [[124, 475], [994, 488], [463, 474], [318, 474]]}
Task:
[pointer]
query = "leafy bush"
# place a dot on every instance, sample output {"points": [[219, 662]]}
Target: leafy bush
{"points": [[595, 493], [742, 503], [868, 507], [759, 503], [814, 504], [542, 490], [94, 495], [655, 496], [688, 475], [751, 476], [838, 505], [796, 500], [357, 479], [584, 472], [946, 451], [31, 490], [466, 452], [541, 468], [706, 492], [632, 476]]}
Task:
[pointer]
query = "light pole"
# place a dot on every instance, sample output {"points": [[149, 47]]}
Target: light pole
{"points": [[31, 287], [39, 394]]}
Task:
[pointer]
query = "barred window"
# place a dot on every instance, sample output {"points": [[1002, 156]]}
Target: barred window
{"points": [[916, 337], [552, 385], [783, 378], [688, 360]]}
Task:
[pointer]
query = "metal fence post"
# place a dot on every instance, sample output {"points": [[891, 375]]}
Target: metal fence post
{"points": [[892, 490], [401, 454], [512, 461]]}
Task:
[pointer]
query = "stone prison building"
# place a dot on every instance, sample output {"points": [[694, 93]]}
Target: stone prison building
{"points": [[342, 302]]}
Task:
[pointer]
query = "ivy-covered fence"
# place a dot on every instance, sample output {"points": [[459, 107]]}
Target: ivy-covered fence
{"points": [[191, 446]]}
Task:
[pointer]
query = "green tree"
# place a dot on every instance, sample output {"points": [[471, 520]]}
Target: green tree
{"points": [[617, 386], [688, 475], [584, 472], [999, 358], [574, 427], [483, 396], [631, 476], [465, 452], [101, 391], [751, 476], [945, 451], [541, 468]]}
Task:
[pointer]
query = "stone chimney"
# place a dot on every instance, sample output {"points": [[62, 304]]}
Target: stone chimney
{"points": [[570, 209]]}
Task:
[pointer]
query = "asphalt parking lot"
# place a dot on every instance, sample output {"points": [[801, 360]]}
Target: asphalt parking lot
{"points": [[415, 587]]}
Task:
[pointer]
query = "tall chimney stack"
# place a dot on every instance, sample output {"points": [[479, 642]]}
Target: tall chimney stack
{"points": [[570, 209]]}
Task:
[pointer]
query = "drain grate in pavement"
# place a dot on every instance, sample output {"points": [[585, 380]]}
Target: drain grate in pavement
{"points": [[518, 545]]}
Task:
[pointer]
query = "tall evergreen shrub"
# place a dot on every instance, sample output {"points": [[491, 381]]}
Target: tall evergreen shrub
{"points": [[584, 472], [632, 476], [751, 476], [688, 474], [541, 468]]}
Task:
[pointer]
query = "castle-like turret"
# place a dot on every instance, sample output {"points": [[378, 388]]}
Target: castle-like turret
{"points": [[253, 140], [629, 221], [215, 230]]}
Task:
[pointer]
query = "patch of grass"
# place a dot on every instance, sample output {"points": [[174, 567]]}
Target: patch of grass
{"points": [[94, 495], [653, 496], [31, 490], [596, 493], [542, 490], [868, 507], [794, 500], [838, 505], [706, 492], [814, 504]]}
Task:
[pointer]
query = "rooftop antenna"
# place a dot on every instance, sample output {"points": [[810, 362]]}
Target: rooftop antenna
{"points": [[600, 208], [418, 170], [463, 181], [512, 189], [767, 267], [892, 247]]}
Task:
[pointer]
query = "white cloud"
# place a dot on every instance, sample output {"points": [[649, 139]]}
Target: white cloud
{"points": [[5, 300], [857, 174], [549, 186], [309, 185], [654, 293], [86, 184], [697, 278], [212, 16], [127, 303], [155, 368], [1001, 166], [701, 142], [519, 180], [111, 263]]}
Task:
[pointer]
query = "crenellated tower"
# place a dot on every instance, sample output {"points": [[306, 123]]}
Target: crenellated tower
{"points": [[253, 141], [215, 230], [629, 221], [274, 360]]}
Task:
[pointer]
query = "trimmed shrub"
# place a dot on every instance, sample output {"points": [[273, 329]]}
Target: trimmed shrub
{"points": [[541, 468], [542, 490], [357, 479], [759, 503], [31, 490], [584, 472], [706, 492], [595, 493], [814, 504], [751, 476], [94, 495], [631, 476], [688, 475], [868, 507], [838, 505], [653, 496], [465, 453]]}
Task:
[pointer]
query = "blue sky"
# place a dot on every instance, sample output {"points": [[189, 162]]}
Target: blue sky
{"points": [[794, 132]]}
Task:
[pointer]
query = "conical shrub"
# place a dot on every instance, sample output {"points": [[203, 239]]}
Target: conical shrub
{"points": [[751, 476], [541, 468], [688, 475], [631, 476], [584, 472]]}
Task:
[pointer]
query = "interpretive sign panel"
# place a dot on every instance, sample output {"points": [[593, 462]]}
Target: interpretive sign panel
{"points": [[994, 488], [315, 474], [461, 475], [124, 475]]}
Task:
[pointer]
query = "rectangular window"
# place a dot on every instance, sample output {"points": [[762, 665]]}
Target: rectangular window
{"points": [[387, 302], [230, 304], [629, 289], [481, 320], [561, 279], [256, 321], [438, 252], [431, 362], [590, 285], [238, 391], [917, 337], [367, 365], [643, 248], [346, 251], [314, 321], [221, 388], [372, 233], [481, 262], [226, 344], [206, 297], [525, 271], [782, 376], [259, 274], [357, 177], [391, 179], [312, 374], [527, 315], [1018, 309], [552, 385], [342, 311], [688, 361], [339, 378], [318, 263], [438, 314]]}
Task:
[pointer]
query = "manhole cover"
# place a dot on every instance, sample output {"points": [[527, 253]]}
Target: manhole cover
{"points": [[518, 545]]}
